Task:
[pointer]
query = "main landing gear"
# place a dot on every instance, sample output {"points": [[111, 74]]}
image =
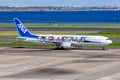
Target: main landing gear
{"points": [[103, 48]]}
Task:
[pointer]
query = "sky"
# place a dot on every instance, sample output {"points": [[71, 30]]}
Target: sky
{"points": [[83, 3]]}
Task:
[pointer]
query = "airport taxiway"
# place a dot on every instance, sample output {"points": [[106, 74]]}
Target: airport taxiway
{"points": [[61, 29], [44, 64]]}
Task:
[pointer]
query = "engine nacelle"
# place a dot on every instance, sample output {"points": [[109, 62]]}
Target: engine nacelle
{"points": [[66, 45]]}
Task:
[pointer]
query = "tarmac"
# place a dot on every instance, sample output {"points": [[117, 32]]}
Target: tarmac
{"points": [[49, 64]]}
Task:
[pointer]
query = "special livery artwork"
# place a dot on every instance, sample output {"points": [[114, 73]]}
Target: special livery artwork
{"points": [[61, 41]]}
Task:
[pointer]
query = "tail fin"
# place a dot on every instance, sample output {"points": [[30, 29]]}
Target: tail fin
{"points": [[22, 30]]}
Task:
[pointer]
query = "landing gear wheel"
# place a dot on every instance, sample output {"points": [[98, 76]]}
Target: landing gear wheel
{"points": [[103, 48], [59, 48]]}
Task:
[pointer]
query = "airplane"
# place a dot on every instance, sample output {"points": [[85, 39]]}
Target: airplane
{"points": [[61, 41]]}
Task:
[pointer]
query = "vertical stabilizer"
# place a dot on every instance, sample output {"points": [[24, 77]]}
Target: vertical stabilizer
{"points": [[22, 30]]}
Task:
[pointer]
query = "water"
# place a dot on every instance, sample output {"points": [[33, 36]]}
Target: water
{"points": [[62, 16]]}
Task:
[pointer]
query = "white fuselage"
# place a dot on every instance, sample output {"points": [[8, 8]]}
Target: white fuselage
{"points": [[73, 39]]}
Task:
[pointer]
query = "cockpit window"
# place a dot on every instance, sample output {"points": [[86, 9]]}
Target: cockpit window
{"points": [[108, 39]]}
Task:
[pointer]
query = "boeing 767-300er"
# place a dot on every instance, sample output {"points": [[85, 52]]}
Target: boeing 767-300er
{"points": [[61, 41]]}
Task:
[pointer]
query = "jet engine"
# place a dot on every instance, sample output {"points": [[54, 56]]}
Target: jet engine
{"points": [[66, 45]]}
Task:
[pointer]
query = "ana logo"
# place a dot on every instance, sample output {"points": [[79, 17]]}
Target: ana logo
{"points": [[22, 28]]}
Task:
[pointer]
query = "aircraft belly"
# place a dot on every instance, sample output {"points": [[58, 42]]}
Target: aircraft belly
{"points": [[89, 44]]}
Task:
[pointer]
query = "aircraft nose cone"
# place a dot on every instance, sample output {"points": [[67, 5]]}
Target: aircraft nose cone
{"points": [[109, 41]]}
